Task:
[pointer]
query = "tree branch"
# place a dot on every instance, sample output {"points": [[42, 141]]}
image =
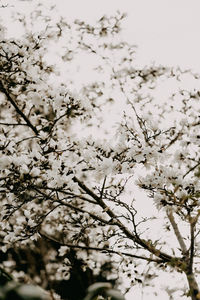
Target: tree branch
{"points": [[176, 231], [105, 250], [192, 238], [173, 141], [18, 110], [75, 208], [165, 257], [191, 169], [65, 192], [13, 124]]}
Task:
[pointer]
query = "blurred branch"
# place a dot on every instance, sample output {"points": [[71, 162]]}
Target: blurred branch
{"points": [[173, 141]]}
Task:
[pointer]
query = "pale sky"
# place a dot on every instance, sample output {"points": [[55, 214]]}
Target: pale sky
{"points": [[166, 31]]}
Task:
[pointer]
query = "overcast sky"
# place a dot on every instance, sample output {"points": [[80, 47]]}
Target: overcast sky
{"points": [[166, 31]]}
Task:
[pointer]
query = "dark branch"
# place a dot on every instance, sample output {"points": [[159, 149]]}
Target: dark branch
{"points": [[192, 238], [105, 250], [13, 124], [18, 110], [191, 169], [165, 257]]}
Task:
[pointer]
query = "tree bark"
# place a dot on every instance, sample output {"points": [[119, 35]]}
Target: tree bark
{"points": [[193, 287]]}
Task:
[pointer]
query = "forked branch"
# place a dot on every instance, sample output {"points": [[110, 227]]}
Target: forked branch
{"points": [[143, 243]]}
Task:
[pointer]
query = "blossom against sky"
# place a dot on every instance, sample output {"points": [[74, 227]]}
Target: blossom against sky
{"points": [[165, 31]]}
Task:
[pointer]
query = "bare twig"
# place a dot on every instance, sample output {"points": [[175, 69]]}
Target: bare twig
{"points": [[103, 186], [75, 208], [13, 124], [165, 257], [173, 141], [191, 169], [65, 192]]}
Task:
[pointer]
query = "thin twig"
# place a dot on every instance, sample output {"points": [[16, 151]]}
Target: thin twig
{"points": [[125, 230], [173, 141], [75, 208], [13, 124], [192, 169], [103, 186]]}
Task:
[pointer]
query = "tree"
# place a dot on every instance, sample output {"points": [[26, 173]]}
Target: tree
{"points": [[76, 190]]}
